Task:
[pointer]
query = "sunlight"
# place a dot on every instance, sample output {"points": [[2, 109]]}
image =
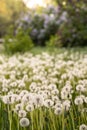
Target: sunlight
{"points": [[34, 3]]}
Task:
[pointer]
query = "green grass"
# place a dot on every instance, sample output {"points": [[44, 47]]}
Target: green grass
{"points": [[39, 50]]}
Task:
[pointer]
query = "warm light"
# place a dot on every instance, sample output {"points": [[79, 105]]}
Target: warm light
{"points": [[64, 3], [34, 3]]}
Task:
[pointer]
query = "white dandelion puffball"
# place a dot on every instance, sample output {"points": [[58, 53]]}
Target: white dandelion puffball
{"points": [[85, 99], [22, 113], [48, 103], [58, 111], [24, 122], [78, 101], [83, 127], [29, 107]]}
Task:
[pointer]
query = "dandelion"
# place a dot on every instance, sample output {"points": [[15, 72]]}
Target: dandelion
{"points": [[27, 98], [5, 89], [58, 105], [22, 113], [64, 94], [84, 110], [24, 122], [55, 99], [83, 127], [66, 105], [21, 85], [39, 100], [29, 107], [48, 103], [18, 106], [23, 92], [7, 99], [85, 99], [78, 101], [55, 92], [80, 88], [52, 86], [58, 111], [32, 86], [47, 83]]}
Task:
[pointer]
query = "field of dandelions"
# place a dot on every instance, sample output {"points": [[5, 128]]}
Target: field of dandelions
{"points": [[43, 91]]}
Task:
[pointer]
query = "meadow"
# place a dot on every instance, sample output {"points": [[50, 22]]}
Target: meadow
{"points": [[44, 90], [43, 65]]}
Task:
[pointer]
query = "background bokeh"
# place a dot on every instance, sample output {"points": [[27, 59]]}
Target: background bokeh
{"points": [[60, 23]]}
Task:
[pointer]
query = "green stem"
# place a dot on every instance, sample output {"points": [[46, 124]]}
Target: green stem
{"points": [[52, 118], [31, 114], [10, 117], [72, 118], [63, 121]]}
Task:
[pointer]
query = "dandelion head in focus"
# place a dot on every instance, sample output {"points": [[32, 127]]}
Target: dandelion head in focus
{"points": [[24, 122]]}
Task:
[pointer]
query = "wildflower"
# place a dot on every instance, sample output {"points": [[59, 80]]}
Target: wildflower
{"points": [[85, 99], [21, 85], [32, 86], [27, 98], [48, 103], [58, 111], [78, 101], [52, 87], [23, 92], [58, 105], [29, 107], [55, 99], [80, 88], [22, 113], [55, 92], [83, 127], [8, 99], [18, 106], [66, 105], [39, 100], [24, 122], [64, 94], [84, 110]]}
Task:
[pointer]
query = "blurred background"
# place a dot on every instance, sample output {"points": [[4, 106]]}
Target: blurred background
{"points": [[25, 24]]}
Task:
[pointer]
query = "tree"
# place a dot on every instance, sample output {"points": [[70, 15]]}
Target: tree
{"points": [[10, 11], [74, 31]]}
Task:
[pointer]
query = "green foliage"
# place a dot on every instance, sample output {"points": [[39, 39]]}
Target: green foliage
{"points": [[3, 25], [54, 41], [42, 25], [19, 43], [10, 11], [74, 31]]}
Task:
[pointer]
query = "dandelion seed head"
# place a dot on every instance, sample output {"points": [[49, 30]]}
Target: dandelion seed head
{"points": [[22, 113], [78, 101], [24, 122], [83, 127]]}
